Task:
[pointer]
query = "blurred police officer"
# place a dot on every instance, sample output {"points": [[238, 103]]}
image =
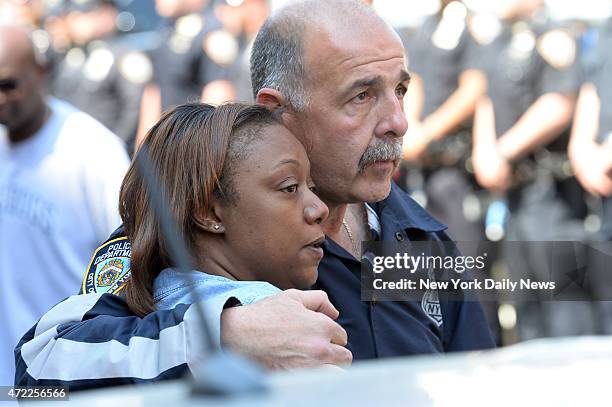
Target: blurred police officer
{"points": [[590, 152], [446, 83], [532, 83], [57, 36], [191, 62], [243, 21], [590, 149], [99, 75]]}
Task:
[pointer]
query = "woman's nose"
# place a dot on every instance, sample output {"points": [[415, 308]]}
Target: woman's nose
{"points": [[315, 211]]}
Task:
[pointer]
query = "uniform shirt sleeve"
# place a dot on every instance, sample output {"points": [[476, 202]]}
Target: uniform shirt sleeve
{"points": [[206, 68], [557, 79], [155, 60], [128, 86], [210, 71], [594, 53], [158, 57], [111, 345], [565, 81], [465, 326], [472, 53]]}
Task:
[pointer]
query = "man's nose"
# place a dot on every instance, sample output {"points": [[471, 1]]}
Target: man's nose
{"points": [[393, 121], [315, 211]]}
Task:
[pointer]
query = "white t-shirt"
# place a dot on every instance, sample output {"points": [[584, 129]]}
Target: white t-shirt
{"points": [[59, 193]]}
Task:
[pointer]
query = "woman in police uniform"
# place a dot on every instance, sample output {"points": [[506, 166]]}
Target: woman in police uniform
{"points": [[229, 174]]}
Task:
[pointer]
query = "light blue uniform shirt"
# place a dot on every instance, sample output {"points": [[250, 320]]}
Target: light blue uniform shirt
{"points": [[173, 287]]}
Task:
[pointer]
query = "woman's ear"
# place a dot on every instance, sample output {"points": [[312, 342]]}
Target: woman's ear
{"points": [[209, 222]]}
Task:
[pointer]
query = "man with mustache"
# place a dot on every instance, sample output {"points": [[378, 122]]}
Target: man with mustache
{"points": [[340, 90]]}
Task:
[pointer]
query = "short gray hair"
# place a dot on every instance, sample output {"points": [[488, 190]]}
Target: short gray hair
{"points": [[277, 58]]}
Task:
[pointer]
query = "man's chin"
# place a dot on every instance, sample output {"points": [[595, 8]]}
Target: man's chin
{"points": [[380, 171], [374, 190]]}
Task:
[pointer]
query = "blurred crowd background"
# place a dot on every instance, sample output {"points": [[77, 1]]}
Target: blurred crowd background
{"points": [[497, 87]]}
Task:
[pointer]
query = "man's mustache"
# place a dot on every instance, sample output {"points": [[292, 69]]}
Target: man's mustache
{"points": [[381, 150]]}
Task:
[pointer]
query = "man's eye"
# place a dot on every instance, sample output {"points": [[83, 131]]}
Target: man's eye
{"points": [[400, 92], [290, 189], [8, 85], [361, 97]]}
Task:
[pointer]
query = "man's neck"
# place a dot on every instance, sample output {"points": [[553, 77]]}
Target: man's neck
{"points": [[333, 224], [347, 226], [31, 128]]}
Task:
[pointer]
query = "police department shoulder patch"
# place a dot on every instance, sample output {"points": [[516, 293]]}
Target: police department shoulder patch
{"points": [[109, 268]]}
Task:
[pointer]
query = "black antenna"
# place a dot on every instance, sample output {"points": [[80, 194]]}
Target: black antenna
{"points": [[222, 373]]}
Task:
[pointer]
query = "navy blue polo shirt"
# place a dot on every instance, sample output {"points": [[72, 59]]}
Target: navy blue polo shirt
{"points": [[398, 328]]}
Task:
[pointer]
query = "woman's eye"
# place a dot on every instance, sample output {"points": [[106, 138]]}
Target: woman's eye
{"points": [[313, 189], [290, 189]]}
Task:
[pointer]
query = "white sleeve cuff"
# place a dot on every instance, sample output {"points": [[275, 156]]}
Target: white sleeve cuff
{"points": [[194, 331]]}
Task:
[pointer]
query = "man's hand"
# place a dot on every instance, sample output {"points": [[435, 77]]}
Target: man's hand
{"points": [[416, 142], [289, 330], [592, 164], [492, 171]]}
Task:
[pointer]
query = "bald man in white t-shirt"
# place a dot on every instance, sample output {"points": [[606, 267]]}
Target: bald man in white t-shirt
{"points": [[60, 174]]}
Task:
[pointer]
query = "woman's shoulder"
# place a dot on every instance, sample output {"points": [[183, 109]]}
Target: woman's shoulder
{"points": [[174, 287]]}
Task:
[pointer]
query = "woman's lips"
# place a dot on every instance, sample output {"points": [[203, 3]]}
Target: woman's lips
{"points": [[316, 251], [315, 247]]}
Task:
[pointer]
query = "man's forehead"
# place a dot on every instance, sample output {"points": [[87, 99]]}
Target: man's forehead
{"points": [[347, 51], [9, 67], [356, 29], [15, 47], [5, 55]]}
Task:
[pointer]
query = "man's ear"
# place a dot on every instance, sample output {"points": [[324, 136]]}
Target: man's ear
{"points": [[210, 222], [271, 98], [275, 100]]}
